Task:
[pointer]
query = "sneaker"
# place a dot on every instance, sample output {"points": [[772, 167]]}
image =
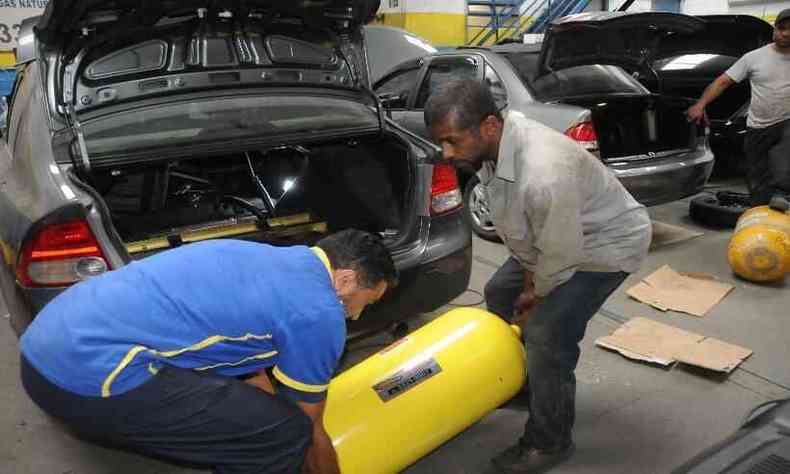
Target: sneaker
{"points": [[519, 459]]}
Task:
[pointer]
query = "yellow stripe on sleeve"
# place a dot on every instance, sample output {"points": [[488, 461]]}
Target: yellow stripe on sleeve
{"points": [[302, 387], [127, 359], [319, 252]]}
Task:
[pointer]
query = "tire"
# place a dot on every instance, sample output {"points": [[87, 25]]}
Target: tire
{"points": [[476, 211], [711, 211]]}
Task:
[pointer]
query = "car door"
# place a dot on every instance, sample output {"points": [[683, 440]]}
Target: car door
{"points": [[396, 90], [438, 71]]}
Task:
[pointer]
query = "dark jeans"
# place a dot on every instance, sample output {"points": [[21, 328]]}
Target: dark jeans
{"points": [[186, 416], [552, 335], [768, 162]]}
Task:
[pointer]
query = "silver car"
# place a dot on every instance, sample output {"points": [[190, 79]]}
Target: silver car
{"points": [[643, 137], [136, 127]]}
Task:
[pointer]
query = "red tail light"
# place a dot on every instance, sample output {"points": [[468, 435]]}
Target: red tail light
{"points": [[445, 193], [584, 133], [61, 254]]}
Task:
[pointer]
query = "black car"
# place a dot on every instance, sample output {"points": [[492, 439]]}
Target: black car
{"points": [[139, 126], [687, 54]]}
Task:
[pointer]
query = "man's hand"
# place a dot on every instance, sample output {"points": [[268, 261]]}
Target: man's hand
{"points": [[525, 302], [321, 456], [261, 380], [696, 113]]}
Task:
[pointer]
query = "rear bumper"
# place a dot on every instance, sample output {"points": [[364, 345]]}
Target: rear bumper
{"points": [[668, 179], [442, 275]]}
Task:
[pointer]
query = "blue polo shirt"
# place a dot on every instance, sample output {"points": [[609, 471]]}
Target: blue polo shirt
{"points": [[229, 307]]}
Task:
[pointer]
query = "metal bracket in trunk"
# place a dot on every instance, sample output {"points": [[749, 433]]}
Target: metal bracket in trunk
{"points": [[84, 163]]}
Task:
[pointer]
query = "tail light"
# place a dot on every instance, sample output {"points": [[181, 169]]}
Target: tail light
{"points": [[585, 134], [61, 254], [445, 193]]}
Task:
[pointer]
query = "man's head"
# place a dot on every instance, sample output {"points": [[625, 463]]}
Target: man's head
{"points": [[782, 29], [463, 119], [362, 268]]}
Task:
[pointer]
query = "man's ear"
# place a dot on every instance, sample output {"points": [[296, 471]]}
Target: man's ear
{"points": [[345, 281], [489, 127]]}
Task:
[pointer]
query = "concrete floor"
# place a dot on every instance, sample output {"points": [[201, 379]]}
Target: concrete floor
{"points": [[631, 417]]}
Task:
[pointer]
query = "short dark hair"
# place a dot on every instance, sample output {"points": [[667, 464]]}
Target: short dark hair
{"points": [[362, 252], [467, 102]]}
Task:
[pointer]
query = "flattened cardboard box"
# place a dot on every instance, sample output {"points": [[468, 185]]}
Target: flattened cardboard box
{"points": [[646, 340], [665, 289]]}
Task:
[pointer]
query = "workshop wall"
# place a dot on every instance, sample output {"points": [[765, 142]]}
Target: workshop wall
{"points": [[765, 10], [442, 23]]}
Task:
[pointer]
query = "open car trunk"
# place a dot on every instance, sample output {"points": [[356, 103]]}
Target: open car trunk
{"points": [[285, 196], [640, 127]]}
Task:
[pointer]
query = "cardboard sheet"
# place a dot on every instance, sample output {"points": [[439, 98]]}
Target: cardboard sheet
{"points": [[665, 289], [649, 341]]}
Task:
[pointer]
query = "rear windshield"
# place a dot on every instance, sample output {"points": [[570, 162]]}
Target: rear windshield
{"points": [[190, 123], [573, 82]]}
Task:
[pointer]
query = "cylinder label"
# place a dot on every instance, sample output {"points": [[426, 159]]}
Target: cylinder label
{"points": [[406, 379]]}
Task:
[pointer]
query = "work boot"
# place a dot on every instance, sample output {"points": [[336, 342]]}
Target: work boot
{"points": [[527, 459]]}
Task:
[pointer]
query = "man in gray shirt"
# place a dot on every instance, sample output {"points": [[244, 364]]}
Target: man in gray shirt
{"points": [[767, 141], [573, 232]]}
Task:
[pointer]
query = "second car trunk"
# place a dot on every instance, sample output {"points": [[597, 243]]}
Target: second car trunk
{"points": [[287, 195], [640, 126]]}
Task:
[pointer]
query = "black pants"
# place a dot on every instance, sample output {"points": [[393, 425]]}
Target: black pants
{"points": [[189, 417], [768, 162], [552, 335]]}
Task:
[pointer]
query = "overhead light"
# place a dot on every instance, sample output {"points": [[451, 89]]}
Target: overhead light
{"points": [[288, 184]]}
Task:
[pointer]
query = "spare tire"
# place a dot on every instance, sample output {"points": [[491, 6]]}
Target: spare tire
{"points": [[718, 211]]}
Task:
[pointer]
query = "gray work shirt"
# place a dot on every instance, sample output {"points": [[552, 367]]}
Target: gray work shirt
{"points": [[768, 72], [559, 209]]}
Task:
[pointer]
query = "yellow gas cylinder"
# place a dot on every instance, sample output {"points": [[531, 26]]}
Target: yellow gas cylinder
{"points": [[760, 248], [395, 407]]}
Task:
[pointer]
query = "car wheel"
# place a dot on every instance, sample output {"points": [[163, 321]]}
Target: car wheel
{"points": [[477, 211], [721, 210]]}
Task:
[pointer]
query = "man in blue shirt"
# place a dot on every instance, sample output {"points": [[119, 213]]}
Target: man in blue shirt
{"points": [[147, 357]]}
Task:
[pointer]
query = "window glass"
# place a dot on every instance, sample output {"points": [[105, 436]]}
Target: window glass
{"points": [[442, 71]]}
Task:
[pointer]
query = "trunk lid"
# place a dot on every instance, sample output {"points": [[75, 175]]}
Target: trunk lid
{"points": [[111, 51], [634, 40], [726, 35], [63, 20]]}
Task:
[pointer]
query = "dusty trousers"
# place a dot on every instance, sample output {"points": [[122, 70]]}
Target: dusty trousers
{"points": [[552, 335]]}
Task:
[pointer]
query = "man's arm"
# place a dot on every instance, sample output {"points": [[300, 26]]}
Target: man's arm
{"points": [[696, 113], [321, 456], [554, 211], [261, 380]]}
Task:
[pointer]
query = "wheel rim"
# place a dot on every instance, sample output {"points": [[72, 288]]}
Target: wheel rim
{"points": [[478, 209]]}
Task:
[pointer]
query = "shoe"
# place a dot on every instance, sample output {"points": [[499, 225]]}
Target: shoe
{"points": [[520, 459]]}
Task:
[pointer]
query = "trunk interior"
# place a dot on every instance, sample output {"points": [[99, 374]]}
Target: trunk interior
{"points": [[285, 196], [633, 127]]}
